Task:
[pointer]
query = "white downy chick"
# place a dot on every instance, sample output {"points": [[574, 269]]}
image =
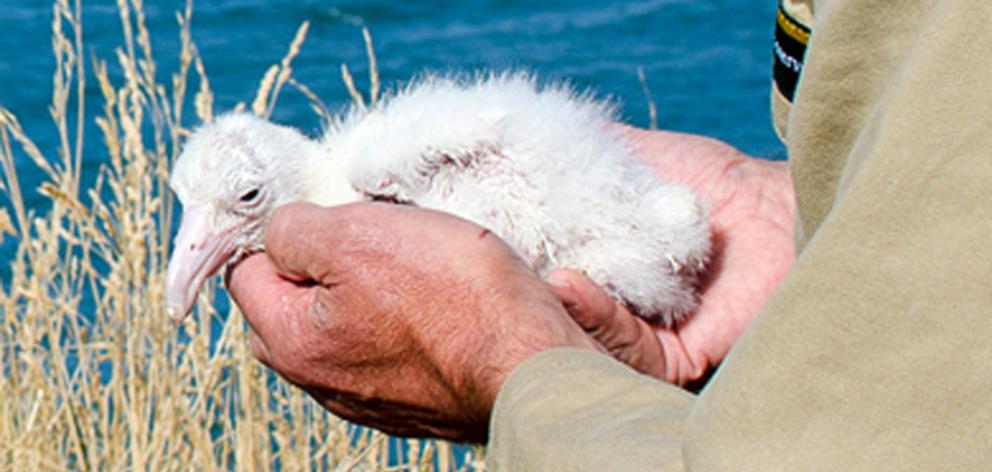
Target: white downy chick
{"points": [[542, 167]]}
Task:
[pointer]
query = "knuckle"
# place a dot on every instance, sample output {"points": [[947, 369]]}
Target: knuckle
{"points": [[360, 219], [284, 223]]}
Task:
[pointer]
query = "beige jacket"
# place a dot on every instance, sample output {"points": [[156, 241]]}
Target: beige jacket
{"points": [[875, 353]]}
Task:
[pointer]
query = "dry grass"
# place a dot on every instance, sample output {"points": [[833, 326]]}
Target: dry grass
{"points": [[95, 377]]}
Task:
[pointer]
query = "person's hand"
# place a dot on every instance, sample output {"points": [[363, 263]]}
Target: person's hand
{"points": [[752, 215], [401, 318]]}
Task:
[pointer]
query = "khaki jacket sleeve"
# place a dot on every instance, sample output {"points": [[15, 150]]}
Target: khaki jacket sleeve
{"points": [[875, 353], [568, 409]]}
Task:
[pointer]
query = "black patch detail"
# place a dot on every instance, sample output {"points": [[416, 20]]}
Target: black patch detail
{"points": [[788, 50]]}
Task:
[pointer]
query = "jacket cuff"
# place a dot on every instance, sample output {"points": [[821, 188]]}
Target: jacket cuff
{"points": [[568, 409]]}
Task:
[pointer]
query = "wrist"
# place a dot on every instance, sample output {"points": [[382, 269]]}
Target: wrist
{"points": [[505, 346]]}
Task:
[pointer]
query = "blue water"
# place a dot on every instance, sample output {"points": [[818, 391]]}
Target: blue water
{"points": [[707, 63]]}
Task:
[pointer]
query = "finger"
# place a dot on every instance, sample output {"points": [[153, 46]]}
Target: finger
{"points": [[326, 245], [266, 299], [298, 238], [626, 337], [589, 305], [307, 242]]}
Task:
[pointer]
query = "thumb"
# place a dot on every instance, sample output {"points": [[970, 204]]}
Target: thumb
{"points": [[300, 239], [265, 299], [628, 338]]}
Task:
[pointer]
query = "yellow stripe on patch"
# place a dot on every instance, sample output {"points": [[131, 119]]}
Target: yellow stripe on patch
{"points": [[791, 28]]}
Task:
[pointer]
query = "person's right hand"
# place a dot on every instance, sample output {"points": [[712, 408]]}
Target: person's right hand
{"points": [[752, 216], [402, 318]]}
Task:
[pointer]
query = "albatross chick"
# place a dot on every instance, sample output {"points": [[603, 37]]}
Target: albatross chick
{"points": [[544, 168]]}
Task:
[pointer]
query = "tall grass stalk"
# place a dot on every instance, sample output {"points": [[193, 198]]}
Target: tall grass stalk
{"points": [[94, 376]]}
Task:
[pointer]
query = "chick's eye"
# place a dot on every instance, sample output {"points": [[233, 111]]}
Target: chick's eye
{"points": [[250, 195]]}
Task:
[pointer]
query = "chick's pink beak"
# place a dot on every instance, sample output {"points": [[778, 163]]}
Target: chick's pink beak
{"points": [[199, 251]]}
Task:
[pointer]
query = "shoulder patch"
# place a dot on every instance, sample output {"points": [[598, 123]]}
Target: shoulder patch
{"points": [[789, 50]]}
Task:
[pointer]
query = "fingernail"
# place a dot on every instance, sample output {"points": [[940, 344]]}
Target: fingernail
{"points": [[566, 293], [558, 282]]}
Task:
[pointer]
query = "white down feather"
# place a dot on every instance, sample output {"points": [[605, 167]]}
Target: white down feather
{"points": [[544, 168]]}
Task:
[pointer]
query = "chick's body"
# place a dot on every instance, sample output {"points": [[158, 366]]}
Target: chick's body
{"points": [[544, 168]]}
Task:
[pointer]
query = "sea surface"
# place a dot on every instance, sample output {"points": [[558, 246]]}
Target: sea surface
{"points": [[706, 63]]}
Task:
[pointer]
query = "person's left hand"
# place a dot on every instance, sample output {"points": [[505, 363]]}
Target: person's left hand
{"points": [[752, 217], [401, 318]]}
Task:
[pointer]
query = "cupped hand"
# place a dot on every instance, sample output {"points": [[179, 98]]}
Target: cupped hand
{"points": [[401, 318], [752, 216]]}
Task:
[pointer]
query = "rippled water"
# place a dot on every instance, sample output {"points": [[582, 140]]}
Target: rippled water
{"points": [[707, 63]]}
